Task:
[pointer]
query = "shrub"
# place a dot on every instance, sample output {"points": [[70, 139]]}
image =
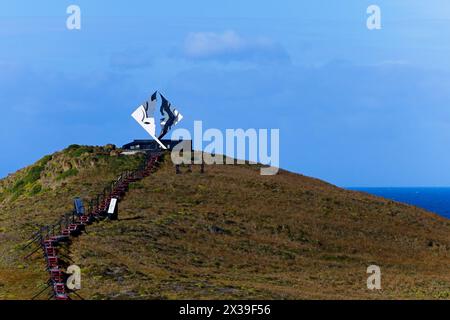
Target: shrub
{"points": [[18, 186], [76, 150], [67, 174], [35, 190], [33, 175], [72, 147], [45, 160]]}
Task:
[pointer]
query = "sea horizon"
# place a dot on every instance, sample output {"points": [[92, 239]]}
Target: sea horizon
{"points": [[433, 199]]}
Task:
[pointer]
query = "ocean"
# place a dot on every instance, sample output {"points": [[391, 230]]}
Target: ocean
{"points": [[436, 200]]}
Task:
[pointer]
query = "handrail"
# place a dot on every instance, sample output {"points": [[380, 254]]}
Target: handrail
{"points": [[67, 221]]}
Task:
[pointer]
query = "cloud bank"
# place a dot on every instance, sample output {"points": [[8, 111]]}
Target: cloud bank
{"points": [[230, 46]]}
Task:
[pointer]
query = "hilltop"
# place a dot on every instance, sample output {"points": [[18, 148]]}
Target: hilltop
{"points": [[229, 233]]}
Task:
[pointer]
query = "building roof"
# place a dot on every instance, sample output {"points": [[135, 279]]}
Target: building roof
{"points": [[148, 144]]}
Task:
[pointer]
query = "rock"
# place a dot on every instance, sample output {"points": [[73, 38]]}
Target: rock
{"points": [[110, 147], [115, 153], [217, 230]]}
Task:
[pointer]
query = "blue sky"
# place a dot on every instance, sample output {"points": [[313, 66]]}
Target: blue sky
{"points": [[354, 107]]}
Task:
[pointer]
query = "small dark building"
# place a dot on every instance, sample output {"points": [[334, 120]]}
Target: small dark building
{"points": [[152, 145]]}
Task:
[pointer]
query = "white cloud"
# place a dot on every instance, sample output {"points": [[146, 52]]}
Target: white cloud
{"points": [[230, 46], [201, 44]]}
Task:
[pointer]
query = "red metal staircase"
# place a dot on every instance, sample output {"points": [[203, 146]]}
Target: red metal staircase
{"points": [[52, 238]]}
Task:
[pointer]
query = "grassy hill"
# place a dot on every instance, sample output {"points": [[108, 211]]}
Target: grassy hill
{"points": [[228, 233], [39, 195]]}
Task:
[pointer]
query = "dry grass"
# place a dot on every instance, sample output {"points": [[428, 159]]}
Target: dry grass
{"points": [[231, 233], [21, 215]]}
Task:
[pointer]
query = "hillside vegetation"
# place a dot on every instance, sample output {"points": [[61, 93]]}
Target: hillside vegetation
{"points": [[229, 233], [38, 195]]}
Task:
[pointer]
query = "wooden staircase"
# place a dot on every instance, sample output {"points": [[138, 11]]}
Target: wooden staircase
{"points": [[51, 239]]}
